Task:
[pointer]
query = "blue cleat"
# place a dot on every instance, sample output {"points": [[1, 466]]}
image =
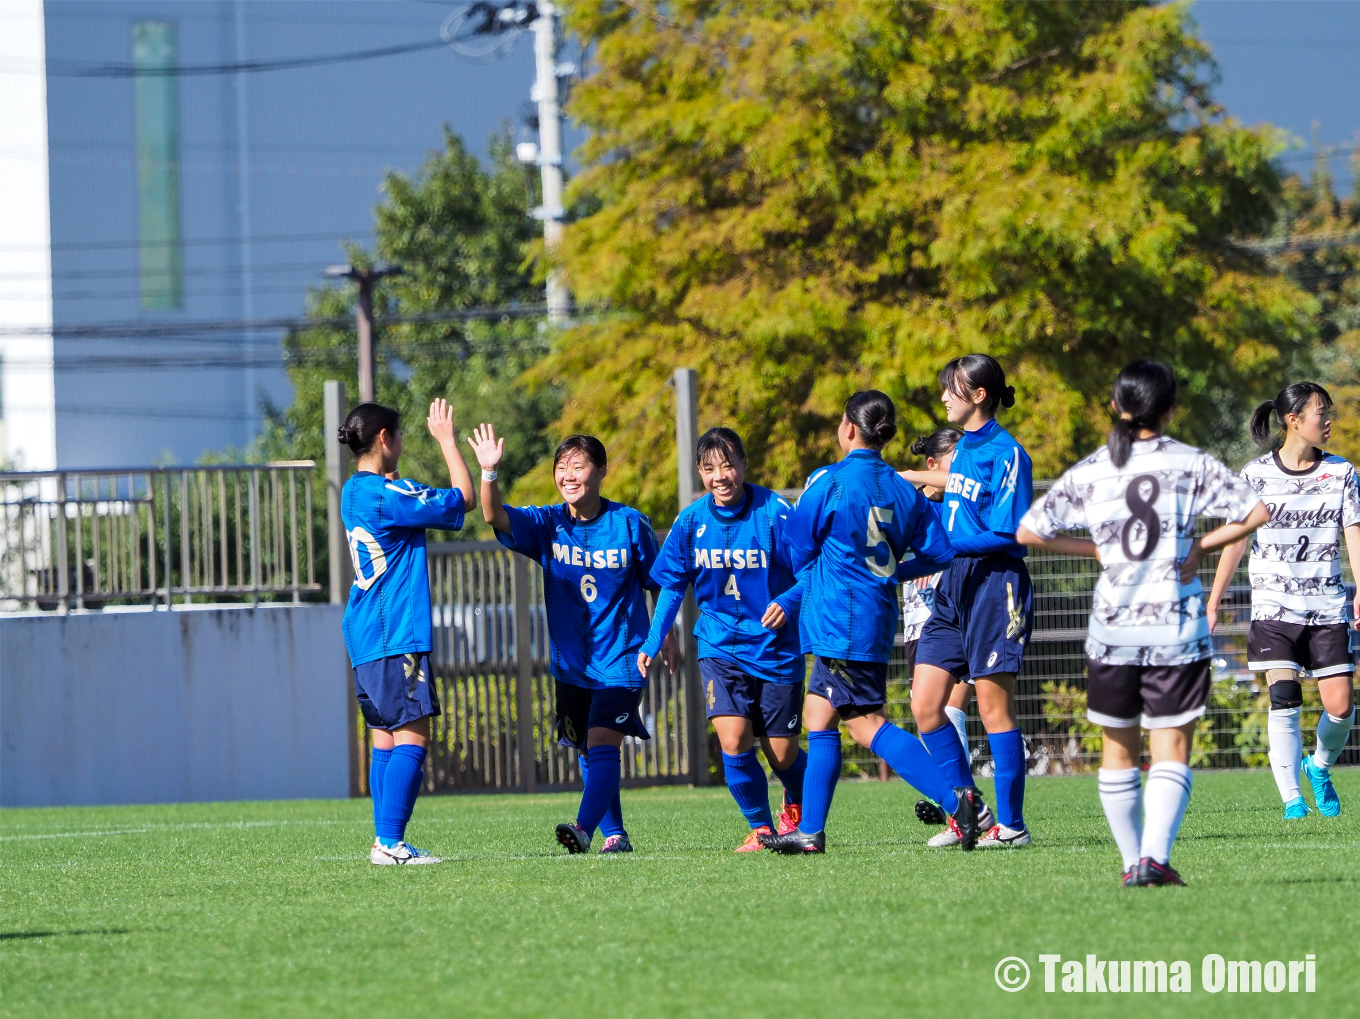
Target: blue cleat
{"points": [[1295, 809], [1324, 793]]}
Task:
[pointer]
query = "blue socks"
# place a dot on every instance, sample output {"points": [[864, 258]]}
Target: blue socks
{"points": [[948, 754], [748, 786], [908, 757], [612, 822], [400, 787], [792, 777], [1008, 755], [823, 771], [604, 768], [377, 768]]}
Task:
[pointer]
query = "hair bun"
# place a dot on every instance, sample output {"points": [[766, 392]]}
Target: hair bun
{"points": [[344, 434], [1008, 397], [919, 446]]}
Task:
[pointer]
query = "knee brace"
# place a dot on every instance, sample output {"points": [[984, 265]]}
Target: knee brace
{"points": [[1287, 693]]}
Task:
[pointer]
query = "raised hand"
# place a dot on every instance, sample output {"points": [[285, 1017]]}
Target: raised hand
{"points": [[440, 422], [486, 446]]}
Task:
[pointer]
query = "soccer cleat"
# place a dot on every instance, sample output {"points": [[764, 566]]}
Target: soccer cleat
{"points": [[931, 813], [965, 818], [790, 818], [1001, 837], [1130, 878], [387, 856], [947, 838], [615, 844], [1151, 874], [752, 843], [794, 843], [1295, 809], [1324, 793], [574, 837]]}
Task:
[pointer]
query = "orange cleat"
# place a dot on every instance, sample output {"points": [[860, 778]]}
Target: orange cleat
{"points": [[752, 843], [788, 820]]}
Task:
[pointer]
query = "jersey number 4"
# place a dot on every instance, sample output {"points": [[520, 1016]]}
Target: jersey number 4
{"points": [[876, 537]]}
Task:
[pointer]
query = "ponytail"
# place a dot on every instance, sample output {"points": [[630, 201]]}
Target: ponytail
{"points": [[1261, 432], [1292, 399], [1120, 442]]}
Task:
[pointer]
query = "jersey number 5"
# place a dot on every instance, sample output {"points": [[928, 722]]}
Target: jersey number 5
{"points": [[875, 537]]}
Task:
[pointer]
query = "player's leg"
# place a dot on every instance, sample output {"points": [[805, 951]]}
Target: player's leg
{"points": [[1331, 663], [1121, 794], [1284, 738], [745, 777], [957, 710], [940, 658], [777, 724], [823, 768], [996, 706]]}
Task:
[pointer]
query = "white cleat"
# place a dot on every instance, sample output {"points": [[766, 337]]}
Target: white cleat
{"points": [[950, 836], [1001, 837], [401, 853]]}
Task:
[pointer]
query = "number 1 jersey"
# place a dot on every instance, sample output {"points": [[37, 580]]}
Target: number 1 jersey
{"points": [[1142, 518]]}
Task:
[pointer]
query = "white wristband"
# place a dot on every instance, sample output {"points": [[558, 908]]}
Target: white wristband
{"points": [[489, 475]]}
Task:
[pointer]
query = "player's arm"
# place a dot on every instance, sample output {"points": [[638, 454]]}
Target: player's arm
{"points": [[932, 479], [489, 449], [1227, 566], [1061, 544], [1222, 537], [1060, 510], [440, 424], [670, 575], [805, 529], [785, 605], [1352, 534], [930, 541]]}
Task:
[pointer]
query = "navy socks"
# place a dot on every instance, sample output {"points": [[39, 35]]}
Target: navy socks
{"points": [[604, 768], [612, 822], [908, 757], [377, 768], [819, 784], [748, 786], [1008, 754], [400, 787], [792, 777], [948, 754]]}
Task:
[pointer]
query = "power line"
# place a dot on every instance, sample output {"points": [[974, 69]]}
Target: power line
{"points": [[191, 242]]}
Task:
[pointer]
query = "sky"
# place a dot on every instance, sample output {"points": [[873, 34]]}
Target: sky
{"points": [[1290, 63]]}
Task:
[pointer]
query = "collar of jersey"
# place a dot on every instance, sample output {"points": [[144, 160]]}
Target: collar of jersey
{"points": [[982, 435], [578, 522], [732, 512], [871, 453], [1321, 455]]}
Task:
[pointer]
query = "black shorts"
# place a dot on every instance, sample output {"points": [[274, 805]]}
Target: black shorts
{"points": [[853, 688], [1151, 696], [774, 709], [1314, 652], [396, 691], [580, 709]]}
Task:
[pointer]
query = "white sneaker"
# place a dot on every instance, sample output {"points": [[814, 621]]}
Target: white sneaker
{"points": [[1001, 837], [387, 856], [950, 836]]}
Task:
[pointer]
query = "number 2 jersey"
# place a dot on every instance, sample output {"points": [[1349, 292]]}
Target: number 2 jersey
{"points": [[1142, 518], [736, 558], [595, 575], [1295, 564], [388, 612]]}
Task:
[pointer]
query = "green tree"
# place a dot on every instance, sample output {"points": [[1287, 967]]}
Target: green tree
{"points": [[462, 235], [805, 198]]}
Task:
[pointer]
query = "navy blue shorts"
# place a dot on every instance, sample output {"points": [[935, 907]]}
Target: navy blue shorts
{"points": [[909, 652], [853, 688], [396, 691], [984, 611], [580, 709], [775, 709]]}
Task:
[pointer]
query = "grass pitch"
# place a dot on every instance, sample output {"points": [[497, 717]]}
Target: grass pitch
{"points": [[273, 909]]}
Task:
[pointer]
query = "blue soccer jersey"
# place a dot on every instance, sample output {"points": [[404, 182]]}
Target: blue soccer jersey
{"points": [[737, 561], [595, 573], [848, 538], [389, 603], [991, 486]]}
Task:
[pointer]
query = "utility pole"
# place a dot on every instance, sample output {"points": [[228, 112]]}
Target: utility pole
{"points": [[545, 94], [363, 318]]}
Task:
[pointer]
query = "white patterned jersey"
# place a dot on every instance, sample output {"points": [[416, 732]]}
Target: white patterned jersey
{"points": [[1142, 518], [1295, 564], [917, 605]]}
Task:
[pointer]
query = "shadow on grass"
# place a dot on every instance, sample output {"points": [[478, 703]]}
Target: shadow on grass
{"points": [[24, 935]]}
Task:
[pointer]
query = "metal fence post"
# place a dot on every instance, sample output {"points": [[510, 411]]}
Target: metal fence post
{"points": [[524, 679], [689, 488], [63, 581], [337, 547]]}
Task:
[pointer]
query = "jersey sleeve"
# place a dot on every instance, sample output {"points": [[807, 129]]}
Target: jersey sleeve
{"points": [[1350, 499], [668, 603], [1014, 493], [645, 551], [929, 540], [530, 531], [415, 505], [1223, 493], [806, 525], [1061, 509], [673, 569]]}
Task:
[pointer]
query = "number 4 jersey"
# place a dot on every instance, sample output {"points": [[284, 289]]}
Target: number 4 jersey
{"points": [[595, 573], [1295, 562], [1142, 518]]}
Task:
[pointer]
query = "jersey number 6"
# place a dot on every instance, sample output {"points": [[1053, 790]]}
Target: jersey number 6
{"points": [[874, 538], [588, 591]]}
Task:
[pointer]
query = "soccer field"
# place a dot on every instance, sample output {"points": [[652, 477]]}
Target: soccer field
{"points": [[273, 909]]}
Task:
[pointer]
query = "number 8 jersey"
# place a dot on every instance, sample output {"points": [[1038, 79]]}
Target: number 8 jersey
{"points": [[1142, 518]]}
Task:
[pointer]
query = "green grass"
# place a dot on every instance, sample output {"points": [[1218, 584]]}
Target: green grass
{"points": [[273, 909]]}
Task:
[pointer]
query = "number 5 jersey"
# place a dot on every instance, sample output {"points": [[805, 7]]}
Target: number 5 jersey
{"points": [[1142, 518]]}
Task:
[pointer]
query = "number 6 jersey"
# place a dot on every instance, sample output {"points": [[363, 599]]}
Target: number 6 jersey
{"points": [[1295, 562], [1142, 518]]}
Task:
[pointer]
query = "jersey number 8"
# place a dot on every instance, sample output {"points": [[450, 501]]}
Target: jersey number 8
{"points": [[1144, 514]]}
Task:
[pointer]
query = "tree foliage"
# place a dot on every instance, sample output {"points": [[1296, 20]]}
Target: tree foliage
{"points": [[806, 198]]}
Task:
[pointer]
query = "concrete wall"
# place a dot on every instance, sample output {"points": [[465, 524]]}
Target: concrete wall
{"points": [[228, 703]]}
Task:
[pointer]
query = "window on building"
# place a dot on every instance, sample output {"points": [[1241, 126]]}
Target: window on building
{"points": [[156, 98]]}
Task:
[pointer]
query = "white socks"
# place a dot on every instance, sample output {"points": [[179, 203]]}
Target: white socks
{"points": [[1286, 748], [1121, 794], [1164, 802], [958, 718], [1332, 733]]}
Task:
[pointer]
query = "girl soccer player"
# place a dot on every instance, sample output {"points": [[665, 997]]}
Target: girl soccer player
{"points": [[729, 545], [1148, 645], [387, 620], [847, 537], [984, 602], [597, 557], [1298, 600]]}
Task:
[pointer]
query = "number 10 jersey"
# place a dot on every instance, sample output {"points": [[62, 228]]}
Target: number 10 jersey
{"points": [[1142, 518]]}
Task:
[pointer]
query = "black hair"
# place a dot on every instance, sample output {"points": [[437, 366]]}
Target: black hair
{"points": [[361, 428], [719, 442], [587, 445], [971, 372], [1145, 391], [938, 443], [874, 415], [1293, 399]]}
